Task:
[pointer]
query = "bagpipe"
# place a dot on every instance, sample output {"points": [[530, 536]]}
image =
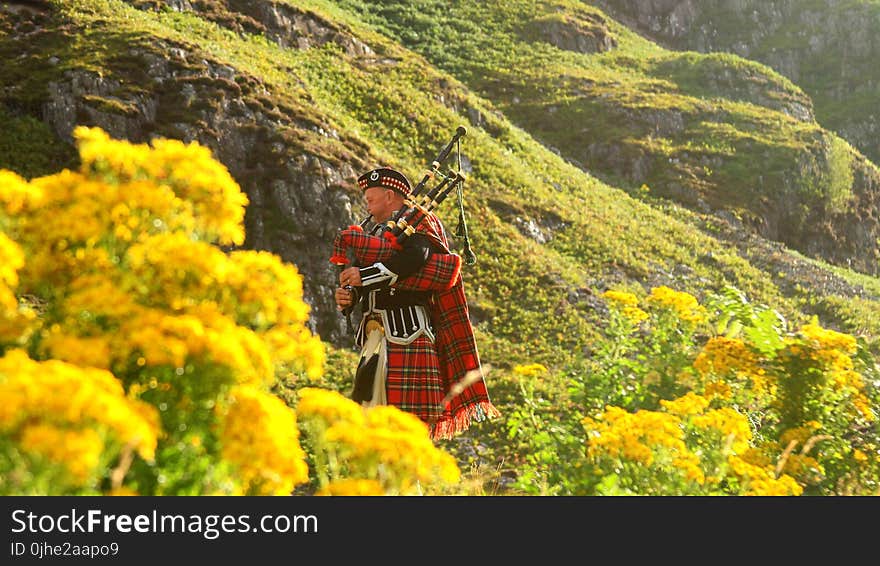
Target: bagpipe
{"points": [[354, 246]]}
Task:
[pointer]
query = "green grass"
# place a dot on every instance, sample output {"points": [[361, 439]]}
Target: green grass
{"points": [[29, 148], [717, 128], [835, 76]]}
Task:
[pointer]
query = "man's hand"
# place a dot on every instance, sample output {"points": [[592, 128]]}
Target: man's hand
{"points": [[343, 298], [350, 276]]}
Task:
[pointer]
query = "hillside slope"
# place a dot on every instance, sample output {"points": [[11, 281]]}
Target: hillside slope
{"points": [[714, 132], [829, 48]]}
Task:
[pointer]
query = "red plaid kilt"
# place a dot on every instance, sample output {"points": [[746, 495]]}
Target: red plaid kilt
{"points": [[418, 378], [414, 381]]}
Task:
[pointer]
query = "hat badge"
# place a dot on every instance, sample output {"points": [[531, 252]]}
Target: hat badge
{"points": [[374, 175]]}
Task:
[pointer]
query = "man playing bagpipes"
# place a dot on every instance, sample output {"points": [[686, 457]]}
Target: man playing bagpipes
{"points": [[417, 343]]}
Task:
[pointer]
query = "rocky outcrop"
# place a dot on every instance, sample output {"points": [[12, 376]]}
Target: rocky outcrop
{"points": [[293, 27], [828, 208], [722, 76], [829, 48], [83, 97], [296, 197], [284, 23], [581, 33]]}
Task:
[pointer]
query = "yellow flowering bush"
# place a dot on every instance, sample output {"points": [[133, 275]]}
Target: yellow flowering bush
{"points": [[647, 444], [684, 305], [352, 487], [530, 370], [762, 480], [114, 270], [687, 448], [626, 304], [724, 399], [59, 423], [15, 316], [363, 451], [621, 298], [648, 352], [260, 437]]}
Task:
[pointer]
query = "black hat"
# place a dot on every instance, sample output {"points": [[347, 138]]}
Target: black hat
{"points": [[385, 177]]}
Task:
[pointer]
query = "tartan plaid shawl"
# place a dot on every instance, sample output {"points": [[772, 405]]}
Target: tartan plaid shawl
{"points": [[454, 336], [456, 348]]}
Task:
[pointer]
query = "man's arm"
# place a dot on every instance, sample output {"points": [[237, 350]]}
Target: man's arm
{"points": [[417, 249]]}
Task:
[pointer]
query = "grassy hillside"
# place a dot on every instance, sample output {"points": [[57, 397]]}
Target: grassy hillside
{"points": [[827, 47], [550, 238], [711, 131]]}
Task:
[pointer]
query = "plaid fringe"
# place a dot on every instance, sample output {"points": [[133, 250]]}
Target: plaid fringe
{"points": [[449, 426]]}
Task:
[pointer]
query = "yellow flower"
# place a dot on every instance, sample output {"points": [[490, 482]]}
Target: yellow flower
{"points": [[393, 419], [352, 486], [718, 389], [382, 437], [799, 435], [760, 480], [330, 406], [205, 334], [297, 346], [16, 194], [216, 200], [78, 450], [99, 295], [829, 339], [124, 256], [690, 404], [86, 352], [756, 457], [634, 314], [690, 464], [57, 393], [863, 406], [260, 437], [807, 468], [686, 306], [621, 298], [634, 436], [11, 260], [721, 354], [530, 370], [729, 423]]}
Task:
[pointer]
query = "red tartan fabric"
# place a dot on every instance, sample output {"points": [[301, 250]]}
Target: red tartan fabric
{"points": [[368, 249], [414, 381], [413, 388], [456, 349], [440, 273]]}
